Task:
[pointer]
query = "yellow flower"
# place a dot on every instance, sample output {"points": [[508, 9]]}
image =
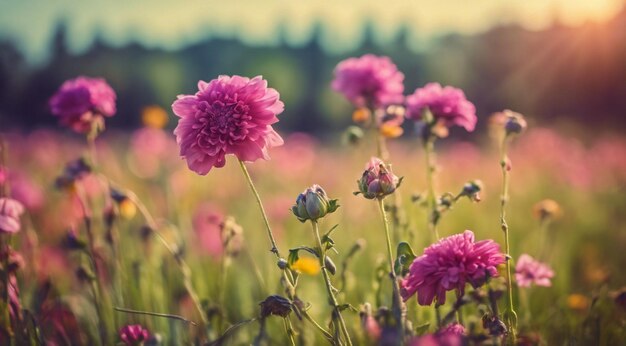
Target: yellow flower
{"points": [[391, 131], [577, 302], [127, 208], [547, 209], [361, 115], [306, 265], [154, 116]]}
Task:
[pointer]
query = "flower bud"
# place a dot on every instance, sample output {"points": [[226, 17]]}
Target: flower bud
{"points": [[134, 335], [472, 189], [313, 204], [547, 209], [377, 180], [515, 123], [282, 263], [275, 305], [330, 265], [10, 212], [353, 135]]}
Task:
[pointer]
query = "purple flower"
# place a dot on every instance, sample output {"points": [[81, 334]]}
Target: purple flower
{"points": [[228, 115], [369, 81], [10, 211], [447, 105], [134, 334], [377, 180], [450, 264], [83, 101], [530, 271]]}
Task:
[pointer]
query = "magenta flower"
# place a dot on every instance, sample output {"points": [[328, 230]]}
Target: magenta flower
{"points": [[10, 212], [134, 334], [377, 180], [450, 335], [530, 271], [447, 105], [228, 115], [369, 81], [450, 264], [82, 102]]}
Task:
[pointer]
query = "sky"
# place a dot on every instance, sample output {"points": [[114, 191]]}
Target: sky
{"points": [[172, 24]]}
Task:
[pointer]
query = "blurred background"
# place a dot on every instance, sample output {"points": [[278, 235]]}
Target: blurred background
{"points": [[552, 60]]}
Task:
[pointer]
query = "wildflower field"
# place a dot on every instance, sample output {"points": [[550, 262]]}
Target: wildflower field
{"points": [[210, 226]]}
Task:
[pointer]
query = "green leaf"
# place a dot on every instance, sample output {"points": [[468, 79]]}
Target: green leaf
{"points": [[405, 258], [294, 256], [333, 204]]}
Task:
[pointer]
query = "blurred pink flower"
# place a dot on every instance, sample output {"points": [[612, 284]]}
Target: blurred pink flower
{"points": [[369, 81], [530, 271], [447, 104], [134, 334], [10, 212], [82, 101], [206, 225], [24, 190], [228, 115], [450, 335], [150, 148], [450, 264]]}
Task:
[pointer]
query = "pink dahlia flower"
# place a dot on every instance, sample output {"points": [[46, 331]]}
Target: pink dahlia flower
{"points": [[228, 115], [447, 104], [450, 264], [134, 334], [10, 212], [369, 81], [81, 102], [530, 271]]}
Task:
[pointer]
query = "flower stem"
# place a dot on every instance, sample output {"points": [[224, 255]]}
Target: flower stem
{"points": [[274, 248], [329, 286], [429, 153], [510, 317], [286, 273], [397, 300]]}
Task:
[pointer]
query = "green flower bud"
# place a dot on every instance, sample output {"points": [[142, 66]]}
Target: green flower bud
{"points": [[313, 204]]}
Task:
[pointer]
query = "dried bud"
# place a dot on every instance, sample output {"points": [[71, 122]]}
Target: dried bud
{"points": [[494, 325], [472, 189], [232, 236], [282, 263], [72, 242], [275, 305], [377, 180], [313, 204], [515, 123], [74, 171]]}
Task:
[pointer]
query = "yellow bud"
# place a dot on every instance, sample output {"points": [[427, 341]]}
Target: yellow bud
{"points": [[306, 265], [361, 115], [154, 116], [391, 131], [577, 302], [127, 208]]}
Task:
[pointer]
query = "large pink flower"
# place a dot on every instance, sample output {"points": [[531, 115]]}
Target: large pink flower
{"points": [[450, 264], [82, 101], [228, 115], [530, 271], [369, 81], [10, 212], [447, 104]]}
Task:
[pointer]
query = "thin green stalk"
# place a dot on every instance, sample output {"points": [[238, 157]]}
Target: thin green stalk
{"points": [[329, 286], [510, 317], [397, 300], [156, 314], [289, 330], [286, 273], [180, 261], [429, 152]]}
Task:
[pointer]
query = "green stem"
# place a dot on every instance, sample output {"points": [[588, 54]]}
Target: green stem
{"points": [[429, 152], [510, 317], [289, 279], [397, 300], [289, 330], [329, 286], [274, 248]]}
